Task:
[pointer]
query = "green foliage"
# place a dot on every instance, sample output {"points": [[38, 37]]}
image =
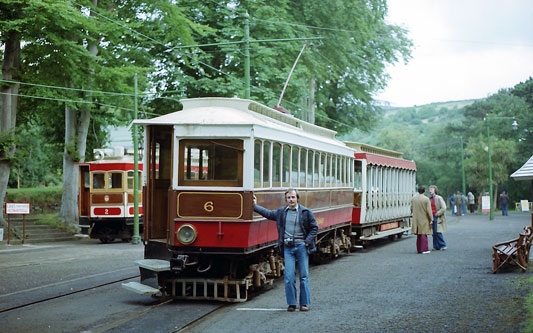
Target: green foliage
{"points": [[528, 324], [42, 196]]}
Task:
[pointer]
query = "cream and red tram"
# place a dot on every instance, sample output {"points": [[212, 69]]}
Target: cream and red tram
{"points": [[202, 238], [105, 197], [384, 186]]}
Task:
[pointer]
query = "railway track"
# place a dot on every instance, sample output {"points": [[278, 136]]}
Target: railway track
{"points": [[65, 294]]}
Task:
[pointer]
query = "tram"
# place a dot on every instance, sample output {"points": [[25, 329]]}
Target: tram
{"points": [[204, 164], [105, 196]]}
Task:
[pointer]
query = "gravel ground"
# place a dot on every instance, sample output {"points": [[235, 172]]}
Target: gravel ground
{"points": [[391, 288]]}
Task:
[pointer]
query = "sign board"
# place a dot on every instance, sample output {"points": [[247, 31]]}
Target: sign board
{"points": [[485, 204], [524, 206], [17, 208]]}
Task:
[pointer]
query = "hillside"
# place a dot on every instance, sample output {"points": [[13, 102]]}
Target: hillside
{"points": [[408, 122]]}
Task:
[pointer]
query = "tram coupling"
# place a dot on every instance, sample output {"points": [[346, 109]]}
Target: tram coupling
{"points": [[177, 265]]}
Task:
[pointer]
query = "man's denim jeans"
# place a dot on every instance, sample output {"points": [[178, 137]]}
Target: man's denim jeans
{"points": [[297, 255]]}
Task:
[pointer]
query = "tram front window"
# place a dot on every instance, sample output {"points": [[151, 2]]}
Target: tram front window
{"points": [[115, 180], [211, 162], [98, 181]]}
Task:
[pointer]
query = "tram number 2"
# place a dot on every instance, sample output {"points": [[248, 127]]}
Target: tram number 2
{"points": [[106, 212], [208, 206]]}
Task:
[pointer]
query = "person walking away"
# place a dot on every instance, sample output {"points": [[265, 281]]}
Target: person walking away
{"points": [[504, 201], [458, 199], [464, 202], [422, 220], [438, 209], [471, 202], [452, 203], [297, 229]]}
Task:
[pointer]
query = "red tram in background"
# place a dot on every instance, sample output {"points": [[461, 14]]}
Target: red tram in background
{"points": [[105, 196], [202, 238]]}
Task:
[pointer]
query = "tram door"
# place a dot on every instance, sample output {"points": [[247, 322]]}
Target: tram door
{"points": [[84, 191], [159, 180]]}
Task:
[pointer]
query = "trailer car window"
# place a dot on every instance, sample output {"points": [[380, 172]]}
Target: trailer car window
{"points": [[303, 166], [286, 165]]}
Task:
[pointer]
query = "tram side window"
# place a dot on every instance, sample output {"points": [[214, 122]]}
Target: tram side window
{"points": [[286, 165], [98, 181], [276, 165], [130, 180], [115, 180], [295, 157], [315, 168], [211, 162], [321, 171], [266, 164], [358, 175], [257, 163], [309, 170], [303, 166]]}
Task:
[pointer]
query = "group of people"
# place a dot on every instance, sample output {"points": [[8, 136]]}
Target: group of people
{"points": [[458, 202], [297, 229], [429, 218]]}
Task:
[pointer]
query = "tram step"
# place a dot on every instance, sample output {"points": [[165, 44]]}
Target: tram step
{"points": [[155, 265], [140, 288], [381, 234]]}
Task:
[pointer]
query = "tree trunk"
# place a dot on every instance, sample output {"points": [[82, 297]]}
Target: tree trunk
{"points": [[69, 201], [75, 145], [8, 111]]}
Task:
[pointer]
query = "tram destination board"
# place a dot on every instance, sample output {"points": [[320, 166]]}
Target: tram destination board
{"points": [[17, 208]]}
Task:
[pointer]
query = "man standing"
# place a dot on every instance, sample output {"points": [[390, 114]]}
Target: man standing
{"points": [[438, 209], [422, 220], [504, 200], [471, 202], [458, 199], [297, 229]]}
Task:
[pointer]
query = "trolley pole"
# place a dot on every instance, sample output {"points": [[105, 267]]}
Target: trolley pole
{"points": [[135, 239], [246, 57]]}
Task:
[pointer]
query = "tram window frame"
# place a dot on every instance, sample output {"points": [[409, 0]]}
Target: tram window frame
{"points": [[113, 177], [216, 159], [100, 181], [267, 154], [316, 159], [309, 169], [295, 166], [130, 175], [321, 170], [276, 164], [302, 171], [285, 165], [258, 163]]}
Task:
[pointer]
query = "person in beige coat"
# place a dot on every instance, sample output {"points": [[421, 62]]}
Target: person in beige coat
{"points": [[422, 220], [438, 209]]}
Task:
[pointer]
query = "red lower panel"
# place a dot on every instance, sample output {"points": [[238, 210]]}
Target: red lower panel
{"points": [[247, 234], [356, 215], [108, 211], [140, 210]]}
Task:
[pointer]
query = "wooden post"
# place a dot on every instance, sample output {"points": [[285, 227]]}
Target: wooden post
{"points": [[8, 228], [23, 228]]}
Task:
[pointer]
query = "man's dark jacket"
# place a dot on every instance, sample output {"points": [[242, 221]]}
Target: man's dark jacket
{"points": [[305, 217]]}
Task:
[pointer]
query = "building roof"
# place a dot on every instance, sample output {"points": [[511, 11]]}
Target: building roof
{"points": [[525, 172]]}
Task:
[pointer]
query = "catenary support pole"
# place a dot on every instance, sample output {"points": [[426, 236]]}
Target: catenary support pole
{"points": [[135, 239]]}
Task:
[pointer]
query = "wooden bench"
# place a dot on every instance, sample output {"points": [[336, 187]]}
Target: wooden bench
{"points": [[515, 251]]}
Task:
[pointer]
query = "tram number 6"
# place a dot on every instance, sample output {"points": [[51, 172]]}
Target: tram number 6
{"points": [[208, 206]]}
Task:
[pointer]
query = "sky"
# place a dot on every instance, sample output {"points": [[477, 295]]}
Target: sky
{"points": [[463, 49]]}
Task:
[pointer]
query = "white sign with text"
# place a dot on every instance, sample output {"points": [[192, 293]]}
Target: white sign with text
{"points": [[17, 208]]}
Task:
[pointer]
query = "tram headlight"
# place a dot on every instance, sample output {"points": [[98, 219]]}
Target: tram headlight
{"points": [[186, 234]]}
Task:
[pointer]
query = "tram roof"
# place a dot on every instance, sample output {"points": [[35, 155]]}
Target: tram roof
{"points": [[232, 111]]}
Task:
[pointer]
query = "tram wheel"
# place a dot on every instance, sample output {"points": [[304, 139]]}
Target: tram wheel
{"points": [[107, 236]]}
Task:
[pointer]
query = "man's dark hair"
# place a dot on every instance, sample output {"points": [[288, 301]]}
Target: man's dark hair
{"points": [[421, 189]]}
